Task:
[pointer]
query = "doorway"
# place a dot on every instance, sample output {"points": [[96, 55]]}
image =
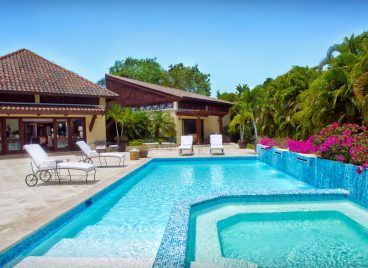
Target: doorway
{"points": [[189, 127], [40, 132]]}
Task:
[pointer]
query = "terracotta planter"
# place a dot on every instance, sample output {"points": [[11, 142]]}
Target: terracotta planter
{"points": [[242, 144], [143, 153]]}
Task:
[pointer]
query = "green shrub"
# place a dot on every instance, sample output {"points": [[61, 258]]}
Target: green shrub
{"points": [[135, 143]]}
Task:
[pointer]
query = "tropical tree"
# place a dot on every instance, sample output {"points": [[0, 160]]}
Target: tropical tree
{"points": [[162, 124], [240, 121], [188, 78], [121, 116]]}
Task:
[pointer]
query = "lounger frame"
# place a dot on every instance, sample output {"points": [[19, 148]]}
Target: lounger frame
{"points": [[46, 174]]}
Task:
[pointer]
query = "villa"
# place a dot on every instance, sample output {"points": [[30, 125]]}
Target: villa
{"points": [[41, 102], [193, 114]]}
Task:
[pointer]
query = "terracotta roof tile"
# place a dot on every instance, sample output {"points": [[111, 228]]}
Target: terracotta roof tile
{"points": [[40, 108], [26, 72], [168, 90]]}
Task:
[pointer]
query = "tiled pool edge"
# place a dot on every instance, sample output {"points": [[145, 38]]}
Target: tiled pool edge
{"points": [[10, 253], [320, 173], [173, 247]]}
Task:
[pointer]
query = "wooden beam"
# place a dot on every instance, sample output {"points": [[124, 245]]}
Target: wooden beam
{"points": [[92, 123], [198, 130], [199, 113]]}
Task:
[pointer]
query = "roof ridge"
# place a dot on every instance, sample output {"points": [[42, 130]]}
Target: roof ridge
{"points": [[180, 91], [88, 85], [12, 53], [30, 51]]}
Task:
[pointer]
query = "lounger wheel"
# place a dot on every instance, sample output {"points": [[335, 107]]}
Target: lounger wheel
{"points": [[44, 176], [31, 180]]}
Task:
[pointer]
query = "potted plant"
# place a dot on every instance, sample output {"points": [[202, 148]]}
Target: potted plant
{"points": [[143, 151], [239, 121], [121, 116]]}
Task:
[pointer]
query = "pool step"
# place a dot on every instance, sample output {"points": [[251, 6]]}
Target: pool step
{"points": [[100, 248], [58, 262]]}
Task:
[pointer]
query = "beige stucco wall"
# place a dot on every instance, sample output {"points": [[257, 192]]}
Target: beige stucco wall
{"points": [[99, 128]]}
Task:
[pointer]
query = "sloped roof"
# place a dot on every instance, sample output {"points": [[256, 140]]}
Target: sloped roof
{"points": [[26, 72], [49, 108], [171, 91]]}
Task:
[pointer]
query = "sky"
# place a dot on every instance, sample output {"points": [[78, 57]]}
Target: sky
{"points": [[236, 42]]}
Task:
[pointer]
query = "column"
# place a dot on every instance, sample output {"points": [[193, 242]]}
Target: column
{"points": [[220, 125], [198, 130]]}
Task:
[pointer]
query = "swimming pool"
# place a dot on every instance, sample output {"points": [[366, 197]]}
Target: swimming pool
{"points": [[281, 233], [129, 221]]}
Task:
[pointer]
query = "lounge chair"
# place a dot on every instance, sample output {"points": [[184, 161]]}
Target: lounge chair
{"points": [[88, 154], [216, 143], [42, 166], [186, 144]]}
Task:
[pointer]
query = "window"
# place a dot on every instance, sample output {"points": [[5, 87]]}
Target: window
{"points": [[78, 130], [12, 134]]}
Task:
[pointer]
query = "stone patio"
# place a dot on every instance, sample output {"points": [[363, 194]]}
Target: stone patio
{"points": [[25, 209]]}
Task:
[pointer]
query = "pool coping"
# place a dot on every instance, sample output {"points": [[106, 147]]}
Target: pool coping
{"points": [[8, 254], [173, 248]]}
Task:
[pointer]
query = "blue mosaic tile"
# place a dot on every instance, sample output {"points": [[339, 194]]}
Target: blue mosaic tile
{"points": [[320, 173], [173, 247]]}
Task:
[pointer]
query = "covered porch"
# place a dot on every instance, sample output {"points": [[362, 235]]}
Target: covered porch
{"points": [[200, 124]]}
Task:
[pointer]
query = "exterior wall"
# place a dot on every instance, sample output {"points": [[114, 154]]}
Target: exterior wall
{"points": [[99, 128], [211, 125], [320, 173], [226, 120]]}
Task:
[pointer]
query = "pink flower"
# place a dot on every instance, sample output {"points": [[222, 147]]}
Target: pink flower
{"points": [[359, 170], [340, 158]]}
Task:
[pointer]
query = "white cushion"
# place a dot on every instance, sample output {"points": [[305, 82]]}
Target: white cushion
{"points": [[76, 165], [86, 149], [113, 154], [186, 140], [38, 155], [215, 140]]}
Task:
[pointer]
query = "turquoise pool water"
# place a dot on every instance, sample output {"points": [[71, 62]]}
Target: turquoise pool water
{"points": [[281, 233], [129, 222], [295, 239]]}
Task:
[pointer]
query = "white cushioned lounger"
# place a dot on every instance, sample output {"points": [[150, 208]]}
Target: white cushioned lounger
{"points": [[216, 143], [89, 154], [186, 144], [44, 164]]}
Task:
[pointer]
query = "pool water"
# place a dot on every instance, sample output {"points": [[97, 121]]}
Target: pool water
{"points": [[295, 239], [285, 232], [129, 222]]}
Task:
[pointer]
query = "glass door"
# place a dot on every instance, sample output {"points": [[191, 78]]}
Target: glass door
{"points": [[12, 135], [62, 134]]}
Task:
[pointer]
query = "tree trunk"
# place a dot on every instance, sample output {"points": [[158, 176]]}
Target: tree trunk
{"points": [[254, 126]]}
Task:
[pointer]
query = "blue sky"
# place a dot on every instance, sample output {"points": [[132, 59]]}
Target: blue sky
{"points": [[234, 41]]}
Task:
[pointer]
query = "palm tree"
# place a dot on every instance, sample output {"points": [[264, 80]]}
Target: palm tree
{"points": [[162, 124], [248, 102], [121, 116], [240, 120]]}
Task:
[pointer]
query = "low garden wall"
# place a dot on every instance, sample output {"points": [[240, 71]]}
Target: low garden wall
{"points": [[320, 173]]}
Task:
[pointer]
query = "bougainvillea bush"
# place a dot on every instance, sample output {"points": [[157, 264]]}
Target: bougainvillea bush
{"points": [[345, 143], [269, 143], [304, 147]]}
